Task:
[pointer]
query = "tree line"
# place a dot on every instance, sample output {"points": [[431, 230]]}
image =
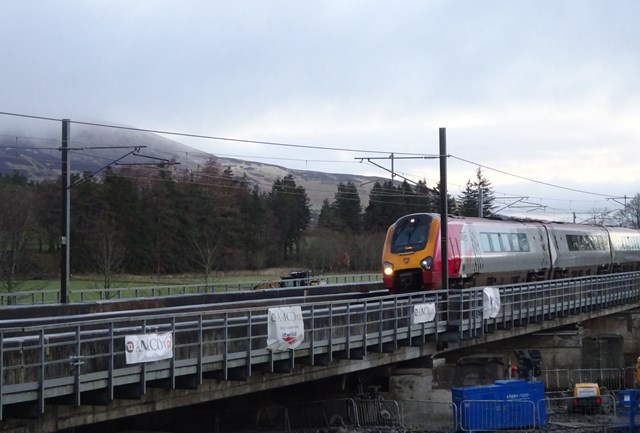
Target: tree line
{"points": [[204, 221]]}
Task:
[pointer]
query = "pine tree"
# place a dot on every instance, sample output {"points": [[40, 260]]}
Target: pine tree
{"points": [[347, 208], [384, 207], [289, 205], [452, 204], [426, 199], [327, 217], [470, 197]]}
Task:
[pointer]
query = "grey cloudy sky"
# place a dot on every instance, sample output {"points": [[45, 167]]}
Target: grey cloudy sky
{"points": [[545, 89]]}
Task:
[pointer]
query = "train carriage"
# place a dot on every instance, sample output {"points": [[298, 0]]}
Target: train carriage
{"points": [[580, 250], [625, 249], [498, 252], [484, 251]]}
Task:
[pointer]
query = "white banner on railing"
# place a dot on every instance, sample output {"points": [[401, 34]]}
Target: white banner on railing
{"points": [[490, 302], [148, 347], [423, 313], [285, 329]]}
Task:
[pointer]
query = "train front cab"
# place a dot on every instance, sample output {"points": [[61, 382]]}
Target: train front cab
{"points": [[408, 251], [411, 254]]}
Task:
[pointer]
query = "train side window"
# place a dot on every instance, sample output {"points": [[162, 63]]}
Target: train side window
{"points": [[515, 245], [572, 243], [486, 242], [495, 242], [504, 241], [523, 242], [617, 241], [584, 243], [590, 243], [596, 242]]}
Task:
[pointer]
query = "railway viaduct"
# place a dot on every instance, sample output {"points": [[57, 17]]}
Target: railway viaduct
{"points": [[64, 366]]}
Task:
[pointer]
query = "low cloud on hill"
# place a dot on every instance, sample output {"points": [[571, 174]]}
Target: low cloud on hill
{"points": [[38, 157]]}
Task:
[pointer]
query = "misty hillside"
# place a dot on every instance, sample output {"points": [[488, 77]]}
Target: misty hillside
{"points": [[40, 159]]}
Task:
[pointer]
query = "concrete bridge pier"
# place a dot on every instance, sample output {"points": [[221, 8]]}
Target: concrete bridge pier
{"points": [[569, 354]]}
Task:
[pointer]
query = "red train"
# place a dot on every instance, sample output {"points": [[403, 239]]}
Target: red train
{"points": [[484, 251]]}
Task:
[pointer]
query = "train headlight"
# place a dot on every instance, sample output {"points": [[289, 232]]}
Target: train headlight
{"points": [[387, 268], [427, 263]]}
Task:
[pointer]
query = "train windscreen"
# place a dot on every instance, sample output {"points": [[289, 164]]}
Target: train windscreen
{"points": [[411, 234]]}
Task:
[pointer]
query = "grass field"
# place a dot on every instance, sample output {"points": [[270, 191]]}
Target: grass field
{"points": [[87, 281], [91, 287]]}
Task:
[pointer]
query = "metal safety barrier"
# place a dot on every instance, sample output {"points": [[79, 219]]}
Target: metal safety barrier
{"points": [[378, 413], [567, 409], [630, 376], [556, 379], [488, 415], [609, 379]]}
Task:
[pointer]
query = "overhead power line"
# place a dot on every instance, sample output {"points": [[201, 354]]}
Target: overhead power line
{"points": [[207, 137], [293, 145], [529, 179]]}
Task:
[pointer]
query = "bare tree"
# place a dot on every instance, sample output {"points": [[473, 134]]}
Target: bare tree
{"points": [[632, 213], [205, 252], [109, 252], [17, 222], [596, 216], [604, 216], [322, 249], [366, 250]]}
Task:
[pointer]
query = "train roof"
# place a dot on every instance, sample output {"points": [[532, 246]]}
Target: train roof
{"points": [[514, 219], [508, 218]]}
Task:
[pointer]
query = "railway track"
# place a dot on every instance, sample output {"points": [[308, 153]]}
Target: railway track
{"points": [[12, 317]]}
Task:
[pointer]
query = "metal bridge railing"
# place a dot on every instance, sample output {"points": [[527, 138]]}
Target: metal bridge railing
{"points": [[536, 302], [67, 359], [44, 362]]}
